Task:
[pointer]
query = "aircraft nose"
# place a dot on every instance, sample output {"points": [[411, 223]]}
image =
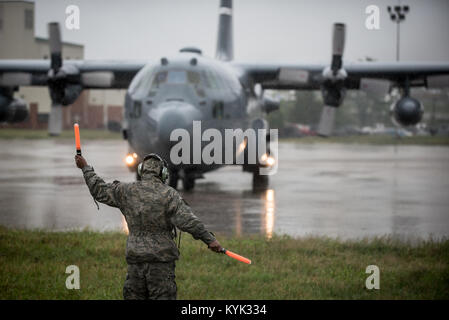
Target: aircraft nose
{"points": [[176, 115]]}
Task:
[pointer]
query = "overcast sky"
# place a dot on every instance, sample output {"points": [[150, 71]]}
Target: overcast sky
{"points": [[264, 30]]}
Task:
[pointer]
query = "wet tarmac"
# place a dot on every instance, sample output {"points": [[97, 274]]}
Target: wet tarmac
{"points": [[335, 190]]}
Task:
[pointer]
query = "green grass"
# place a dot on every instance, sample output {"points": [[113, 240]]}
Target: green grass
{"points": [[88, 134], [374, 140], [33, 263]]}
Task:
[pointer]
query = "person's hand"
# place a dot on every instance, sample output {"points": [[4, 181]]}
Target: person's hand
{"points": [[215, 246], [80, 161]]}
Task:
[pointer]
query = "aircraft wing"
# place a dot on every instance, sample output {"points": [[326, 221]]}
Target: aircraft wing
{"points": [[375, 78], [66, 79], [335, 77], [90, 74], [312, 76]]}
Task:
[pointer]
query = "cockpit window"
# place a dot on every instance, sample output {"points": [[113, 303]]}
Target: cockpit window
{"points": [[159, 78], [193, 77], [222, 84], [205, 79], [141, 81], [148, 81], [212, 80], [177, 77]]}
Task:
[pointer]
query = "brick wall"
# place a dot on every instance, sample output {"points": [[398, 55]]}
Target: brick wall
{"points": [[88, 116], [78, 112], [115, 113]]}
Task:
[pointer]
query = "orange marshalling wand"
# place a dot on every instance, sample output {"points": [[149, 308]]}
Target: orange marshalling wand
{"points": [[76, 128], [236, 256]]}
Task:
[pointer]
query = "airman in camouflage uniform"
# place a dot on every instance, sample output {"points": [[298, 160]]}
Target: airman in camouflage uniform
{"points": [[152, 209]]}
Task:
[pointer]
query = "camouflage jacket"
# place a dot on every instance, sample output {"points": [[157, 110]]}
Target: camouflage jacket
{"points": [[151, 210]]}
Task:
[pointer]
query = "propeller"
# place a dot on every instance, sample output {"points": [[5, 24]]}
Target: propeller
{"points": [[327, 121], [56, 81], [333, 89], [55, 44], [65, 81], [338, 45]]}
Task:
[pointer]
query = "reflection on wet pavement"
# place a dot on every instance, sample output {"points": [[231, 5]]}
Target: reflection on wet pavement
{"points": [[346, 191]]}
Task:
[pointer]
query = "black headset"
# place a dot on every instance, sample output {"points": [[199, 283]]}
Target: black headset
{"points": [[164, 172]]}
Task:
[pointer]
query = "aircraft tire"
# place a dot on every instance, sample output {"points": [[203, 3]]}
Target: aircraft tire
{"points": [[188, 183], [173, 179], [260, 182]]}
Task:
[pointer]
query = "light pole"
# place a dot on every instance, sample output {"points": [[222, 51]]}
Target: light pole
{"points": [[397, 14]]}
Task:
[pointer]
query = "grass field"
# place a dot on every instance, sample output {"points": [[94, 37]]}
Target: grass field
{"points": [[33, 264]]}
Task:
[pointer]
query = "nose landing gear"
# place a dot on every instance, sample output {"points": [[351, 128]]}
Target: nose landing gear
{"points": [[188, 179], [173, 179], [260, 182], [188, 183]]}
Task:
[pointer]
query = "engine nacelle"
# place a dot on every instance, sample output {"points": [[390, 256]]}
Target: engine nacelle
{"points": [[333, 87], [407, 111], [64, 86], [65, 95], [12, 110]]}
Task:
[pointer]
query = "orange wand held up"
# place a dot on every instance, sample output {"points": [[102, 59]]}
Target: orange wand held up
{"points": [[236, 256], [76, 128]]}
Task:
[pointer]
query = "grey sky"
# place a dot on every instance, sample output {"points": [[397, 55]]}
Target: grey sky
{"points": [[264, 30]]}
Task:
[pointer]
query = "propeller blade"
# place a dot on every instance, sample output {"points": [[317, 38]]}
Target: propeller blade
{"points": [[55, 43], [327, 121], [338, 46], [55, 120]]}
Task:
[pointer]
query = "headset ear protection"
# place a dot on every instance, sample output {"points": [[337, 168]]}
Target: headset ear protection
{"points": [[164, 171]]}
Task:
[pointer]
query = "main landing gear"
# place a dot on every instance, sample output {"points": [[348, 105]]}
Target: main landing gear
{"points": [[188, 180]]}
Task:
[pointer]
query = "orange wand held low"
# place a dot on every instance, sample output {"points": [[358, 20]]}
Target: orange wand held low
{"points": [[76, 128], [236, 256]]}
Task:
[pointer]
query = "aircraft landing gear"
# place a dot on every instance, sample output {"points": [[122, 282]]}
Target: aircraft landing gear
{"points": [[188, 179], [260, 182], [173, 179], [188, 183]]}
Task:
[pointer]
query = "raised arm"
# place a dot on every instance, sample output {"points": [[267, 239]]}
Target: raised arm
{"points": [[108, 193]]}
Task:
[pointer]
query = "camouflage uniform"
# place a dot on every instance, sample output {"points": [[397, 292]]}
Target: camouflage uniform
{"points": [[151, 209]]}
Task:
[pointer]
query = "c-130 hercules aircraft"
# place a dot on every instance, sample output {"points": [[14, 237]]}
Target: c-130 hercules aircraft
{"points": [[173, 92]]}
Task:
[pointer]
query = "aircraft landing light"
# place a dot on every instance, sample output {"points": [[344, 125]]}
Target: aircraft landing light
{"points": [[267, 160], [271, 161], [129, 160]]}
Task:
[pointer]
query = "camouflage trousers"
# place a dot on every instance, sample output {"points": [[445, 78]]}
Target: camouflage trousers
{"points": [[150, 281]]}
